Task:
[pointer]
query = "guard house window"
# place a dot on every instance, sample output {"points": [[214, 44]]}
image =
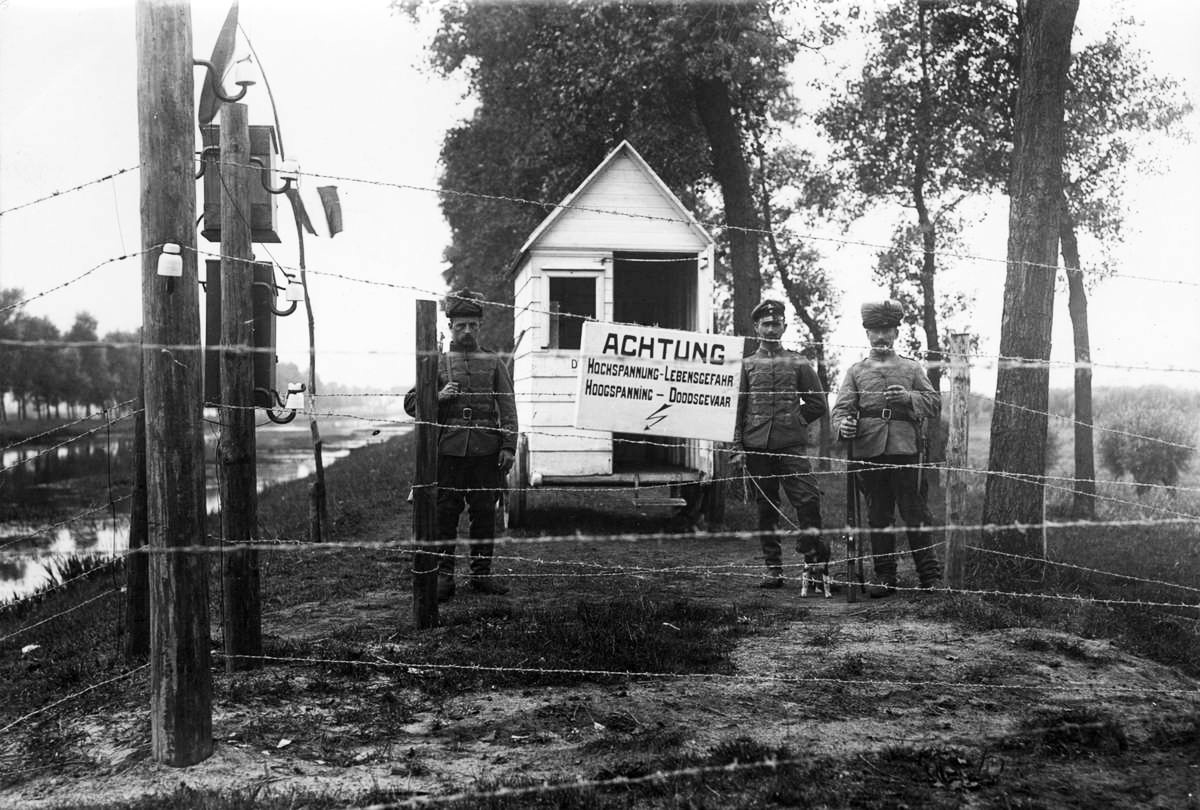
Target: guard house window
{"points": [[572, 300]]}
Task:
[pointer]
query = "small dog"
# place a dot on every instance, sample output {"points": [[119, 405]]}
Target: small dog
{"points": [[816, 561]]}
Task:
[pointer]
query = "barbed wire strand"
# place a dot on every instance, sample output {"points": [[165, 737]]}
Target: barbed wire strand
{"points": [[70, 697], [71, 281], [1061, 564], [60, 524], [66, 442], [60, 614], [56, 194], [64, 426], [419, 666]]}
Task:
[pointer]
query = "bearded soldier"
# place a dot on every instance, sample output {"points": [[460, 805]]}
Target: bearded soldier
{"points": [[477, 415], [879, 410]]}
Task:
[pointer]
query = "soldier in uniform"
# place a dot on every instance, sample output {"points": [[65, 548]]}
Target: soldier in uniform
{"points": [[879, 410], [780, 396], [476, 446]]}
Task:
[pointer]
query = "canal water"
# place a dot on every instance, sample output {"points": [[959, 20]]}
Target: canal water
{"points": [[54, 501]]}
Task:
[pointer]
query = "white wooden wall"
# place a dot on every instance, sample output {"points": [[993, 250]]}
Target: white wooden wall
{"points": [[544, 379]]}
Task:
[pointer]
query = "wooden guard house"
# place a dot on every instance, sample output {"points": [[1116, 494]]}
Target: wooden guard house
{"points": [[622, 248]]}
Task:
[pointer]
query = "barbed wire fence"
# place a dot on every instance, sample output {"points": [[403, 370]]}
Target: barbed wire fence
{"points": [[1161, 516]]}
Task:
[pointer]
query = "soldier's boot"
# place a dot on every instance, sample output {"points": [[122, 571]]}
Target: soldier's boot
{"points": [[772, 551], [883, 549], [929, 569], [482, 580], [883, 584], [445, 587], [773, 579]]}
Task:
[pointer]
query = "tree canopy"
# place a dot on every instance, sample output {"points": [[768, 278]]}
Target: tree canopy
{"points": [[558, 85]]}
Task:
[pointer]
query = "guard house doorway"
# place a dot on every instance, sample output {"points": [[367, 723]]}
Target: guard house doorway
{"points": [[653, 289]]}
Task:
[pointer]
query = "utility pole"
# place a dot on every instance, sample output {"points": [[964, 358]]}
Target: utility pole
{"points": [[180, 662], [426, 552], [137, 570], [242, 629], [956, 458]]}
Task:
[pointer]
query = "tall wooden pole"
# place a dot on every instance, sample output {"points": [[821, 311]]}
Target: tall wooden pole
{"points": [[137, 564], [956, 457], [180, 662], [425, 548], [236, 448]]}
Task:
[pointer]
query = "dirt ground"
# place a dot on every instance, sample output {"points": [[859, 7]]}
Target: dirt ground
{"points": [[917, 710]]}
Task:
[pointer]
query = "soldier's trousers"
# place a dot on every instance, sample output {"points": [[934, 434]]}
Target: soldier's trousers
{"points": [[886, 489], [474, 480], [769, 472]]}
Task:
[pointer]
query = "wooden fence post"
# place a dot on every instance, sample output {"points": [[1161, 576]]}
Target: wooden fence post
{"points": [[956, 457], [236, 449], [180, 660], [426, 552]]}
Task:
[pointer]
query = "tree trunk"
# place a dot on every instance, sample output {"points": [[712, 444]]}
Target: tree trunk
{"points": [[928, 230], [932, 434], [800, 296], [715, 108], [1018, 434], [1083, 504]]}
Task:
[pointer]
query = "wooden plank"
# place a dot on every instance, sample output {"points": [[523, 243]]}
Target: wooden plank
{"points": [[242, 619], [957, 458], [425, 528], [574, 463], [569, 440]]}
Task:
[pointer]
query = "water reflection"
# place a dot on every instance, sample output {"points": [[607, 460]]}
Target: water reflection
{"points": [[48, 485]]}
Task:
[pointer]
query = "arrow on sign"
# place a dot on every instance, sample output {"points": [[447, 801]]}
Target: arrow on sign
{"points": [[655, 416]]}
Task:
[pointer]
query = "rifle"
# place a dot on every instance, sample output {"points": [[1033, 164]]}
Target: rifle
{"points": [[854, 573]]}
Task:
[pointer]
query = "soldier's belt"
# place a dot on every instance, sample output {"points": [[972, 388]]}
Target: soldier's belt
{"points": [[887, 414]]}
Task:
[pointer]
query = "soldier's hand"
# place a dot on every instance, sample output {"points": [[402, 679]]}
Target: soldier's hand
{"points": [[849, 428], [506, 461], [737, 460], [449, 391], [896, 395]]}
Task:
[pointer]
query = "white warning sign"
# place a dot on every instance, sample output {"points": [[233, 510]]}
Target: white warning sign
{"points": [[661, 382]]}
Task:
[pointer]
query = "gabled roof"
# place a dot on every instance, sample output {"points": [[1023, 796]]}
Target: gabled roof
{"points": [[577, 200]]}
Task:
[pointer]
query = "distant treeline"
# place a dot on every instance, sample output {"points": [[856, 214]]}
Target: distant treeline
{"points": [[49, 374], [42, 376]]}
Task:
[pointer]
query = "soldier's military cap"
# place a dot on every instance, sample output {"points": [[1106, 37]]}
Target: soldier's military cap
{"points": [[767, 309], [882, 314], [463, 304]]}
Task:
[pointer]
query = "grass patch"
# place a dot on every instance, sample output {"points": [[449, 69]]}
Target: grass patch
{"points": [[511, 645], [1071, 733]]}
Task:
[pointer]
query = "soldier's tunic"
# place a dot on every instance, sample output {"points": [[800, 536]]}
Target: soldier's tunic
{"points": [[474, 426], [780, 395], [890, 436]]}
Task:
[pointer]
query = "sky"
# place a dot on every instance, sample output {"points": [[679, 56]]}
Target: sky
{"points": [[355, 100]]}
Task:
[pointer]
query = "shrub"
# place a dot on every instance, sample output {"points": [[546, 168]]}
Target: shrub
{"points": [[1161, 456]]}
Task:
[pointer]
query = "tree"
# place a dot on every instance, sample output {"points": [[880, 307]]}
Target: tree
{"points": [[122, 361], [1013, 493], [84, 366], [558, 85], [9, 313], [1113, 101], [926, 125], [791, 185]]}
